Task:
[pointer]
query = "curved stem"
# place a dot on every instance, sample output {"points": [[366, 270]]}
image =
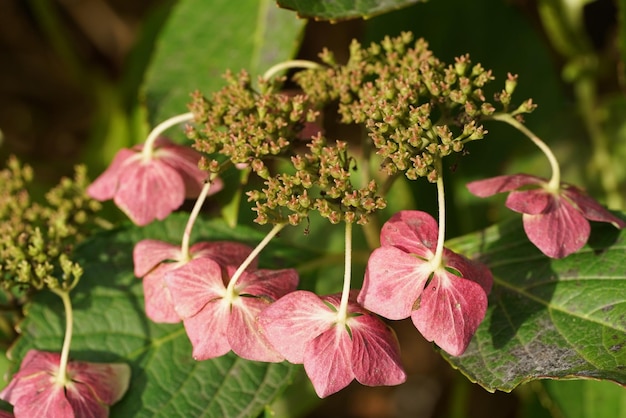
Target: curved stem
{"points": [[184, 246], [437, 260], [61, 378], [342, 314], [248, 260], [275, 69], [148, 146], [555, 181]]}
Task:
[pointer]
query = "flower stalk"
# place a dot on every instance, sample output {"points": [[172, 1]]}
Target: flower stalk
{"points": [[148, 146], [342, 314]]}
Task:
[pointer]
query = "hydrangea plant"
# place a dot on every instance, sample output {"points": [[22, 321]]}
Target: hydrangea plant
{"points": [[215, 294]]}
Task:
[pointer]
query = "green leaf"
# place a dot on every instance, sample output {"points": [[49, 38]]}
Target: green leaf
{"points": [[548, 318], [110, 325], [344, 9], [201, 41], [583, 399]]}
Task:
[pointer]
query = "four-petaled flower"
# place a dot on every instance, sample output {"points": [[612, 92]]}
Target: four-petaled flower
{"points": [[89, 389], [153, 259], [446, 302], [556, 221], [305, 328], [149, 188], [219, 319]]}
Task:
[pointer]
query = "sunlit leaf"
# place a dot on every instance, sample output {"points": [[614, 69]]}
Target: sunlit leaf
{"points": [[548, 318], [343, 9]]}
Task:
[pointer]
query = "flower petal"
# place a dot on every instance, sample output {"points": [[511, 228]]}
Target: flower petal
{"points": [[590, 209], [245, 336], [185, 161], [108, 382], [272, 284], [224, 252], [157, 297], [450, 311], [532, 202], [375, 352], [327, 361], [148, 253], [295, 320], [412, 231], [393, 282], [560, 231], [208, 330], [469, 269], [105, 186], [194, 285], [499, 184], [149, 191]]}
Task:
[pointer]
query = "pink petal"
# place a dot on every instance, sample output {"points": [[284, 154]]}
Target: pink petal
{"points": [[270, 284], [393, 282], [185, 161], [149, 191], [590, 209], [84, 403], [560, 231], [108, 382], [491, 186], [450, 311], [208, 330], [44, 401], [328, 361], [375, 352], [148, 253], [6, 414], [295, 320], [532, 202], [105, 186], [157, 296], [194, 285], [412, 231], [244, 333], [469, 269], [224, 252]]}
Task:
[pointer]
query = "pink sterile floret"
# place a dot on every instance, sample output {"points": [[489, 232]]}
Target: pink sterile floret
{"points": [[304, 328], [153, 259], [88, 392], [152, 188], [446, 303], [557, 222], [216, 321]]}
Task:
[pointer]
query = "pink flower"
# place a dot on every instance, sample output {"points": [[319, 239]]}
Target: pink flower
{"points": [[217, 320], [557, 222], [88, 391], [305, 328], [153, 259], [446, 303], [151, 188]]}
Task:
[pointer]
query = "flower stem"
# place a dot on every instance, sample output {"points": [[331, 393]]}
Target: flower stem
{"points": [[275, 69], [184, 246], [61, 378], [148, 146], [253, 254], [555, 180], [342, 314], [437, 260]]}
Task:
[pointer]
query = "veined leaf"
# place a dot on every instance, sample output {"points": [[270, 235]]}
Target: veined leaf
{"points": [[548, 318], [110, 325], [344, 9], [202, 40]]}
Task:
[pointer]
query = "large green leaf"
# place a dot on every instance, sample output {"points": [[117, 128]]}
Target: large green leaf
{"points": [[110, 325], [202, 40], [343, 9], [584, 399], [548, 318]]}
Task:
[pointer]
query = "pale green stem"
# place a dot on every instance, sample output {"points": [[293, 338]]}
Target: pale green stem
{"points": [[342, 314], [275, 69], [555, 180], [61, 378], [184, 246], [437, 261], [148, 146], [233, 280]]}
